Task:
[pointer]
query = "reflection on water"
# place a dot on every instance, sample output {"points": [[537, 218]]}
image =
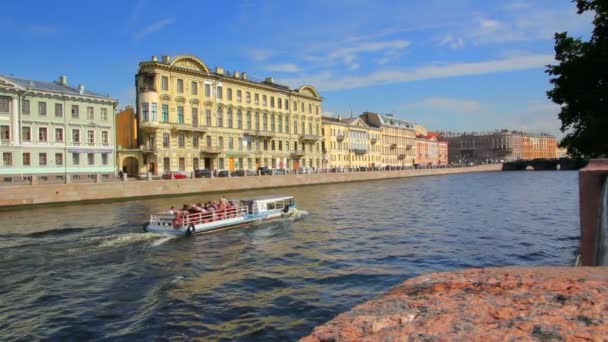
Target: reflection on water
{"points": [[89, 272]]}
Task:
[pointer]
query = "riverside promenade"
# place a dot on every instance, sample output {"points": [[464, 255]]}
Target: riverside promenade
{"points": [[12, 196]]}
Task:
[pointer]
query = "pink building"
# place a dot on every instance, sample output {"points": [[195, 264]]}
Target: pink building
{"points": [[430, 150]]}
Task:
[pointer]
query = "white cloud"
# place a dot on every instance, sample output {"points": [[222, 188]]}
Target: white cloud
{"points": [[452, 42], [349, 54], [285, 67], [539, 116], [261, 55], [327, 82], [154, 27], [450, 104]]}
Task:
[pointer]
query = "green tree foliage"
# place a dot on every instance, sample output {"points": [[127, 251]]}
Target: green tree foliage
{"points": [[580, 85]]}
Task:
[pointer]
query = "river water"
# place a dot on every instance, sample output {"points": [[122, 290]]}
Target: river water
{"points": [[88, 271]]}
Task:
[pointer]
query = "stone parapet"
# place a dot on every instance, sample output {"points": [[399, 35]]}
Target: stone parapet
{"points": [[591, 180], [493, 304], [19, 195]]}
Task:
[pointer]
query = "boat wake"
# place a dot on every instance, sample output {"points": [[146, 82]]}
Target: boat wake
{"points": [[152, 239], [298, 214]]}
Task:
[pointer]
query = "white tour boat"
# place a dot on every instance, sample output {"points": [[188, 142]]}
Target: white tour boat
{"points": [[239, 213]]}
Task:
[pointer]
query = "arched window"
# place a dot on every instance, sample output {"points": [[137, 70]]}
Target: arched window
{"points": [[220, 117], [230, 118], [239, 119]]}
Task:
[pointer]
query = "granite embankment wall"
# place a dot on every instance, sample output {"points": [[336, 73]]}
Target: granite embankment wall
{"points": [[23, 195]]}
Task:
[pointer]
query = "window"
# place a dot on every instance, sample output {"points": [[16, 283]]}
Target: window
{"points": [[75, 111], [25, 106], [42, 108], [59, 110], [165, 113], [220, 117], [145, 110], [194, 117], [280, 145], [229, 94], [27, 161], [280, 123], [240, 143], [302, 107], [286, 104], [272, 101], [182, 164], [194, 88], [164, 83], [195, 141], [287, 145], [181, 141], [207, 89], [264, 103], [220, 142], [7, 159], [272, 145], [310, 108], [230, 143], [104, 159], [238, 95], [272, 123], [219, 93], [76, 136], [195, 164], [208, 117], [104, 113], [265, 122], [208, 141], [5, 104], [317, 110], [42, 159], [248, 120], [91, 137], [104, 137], [256, 98], [166, 164], [58, 159], [239, 119], [257, 121], [58, 134], [43, 134], [91, 158], [154, 110], [229, 118], [279, 104], [180, 114], [180, 86], [265, 146], [26, 133], [295, 126], [90, 113], [287, 124], [166, 140], [248, 97], [5, 133]]}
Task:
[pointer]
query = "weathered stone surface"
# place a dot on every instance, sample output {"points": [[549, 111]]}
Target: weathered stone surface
{"points": [[492, 304]]}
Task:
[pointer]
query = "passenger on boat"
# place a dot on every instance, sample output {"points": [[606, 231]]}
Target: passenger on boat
{"points": [[178, 220], [223, 200], [171, 211]]}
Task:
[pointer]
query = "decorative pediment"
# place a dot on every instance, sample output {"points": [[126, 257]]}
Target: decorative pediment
{"points": [[194, 101], [190, 62], [5, 83], [165, 97], [180, 99], [309, 90]]}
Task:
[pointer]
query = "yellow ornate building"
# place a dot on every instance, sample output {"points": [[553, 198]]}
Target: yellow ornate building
{"points": [[191, 117], [398, 146], [350, 143]]}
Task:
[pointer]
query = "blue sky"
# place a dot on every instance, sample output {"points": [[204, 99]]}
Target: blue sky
{"points": [[457, 65]]}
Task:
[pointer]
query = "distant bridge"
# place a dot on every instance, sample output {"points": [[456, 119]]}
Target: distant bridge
{"points": [[545, 164]]}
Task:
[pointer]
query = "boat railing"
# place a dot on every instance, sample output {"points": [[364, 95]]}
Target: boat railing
{"points": [[217, 215]]}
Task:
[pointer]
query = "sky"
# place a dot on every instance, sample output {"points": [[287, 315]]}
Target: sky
{"points": [[451, 65]]}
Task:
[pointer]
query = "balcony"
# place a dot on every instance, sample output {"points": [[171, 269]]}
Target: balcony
{"points": [[258, 133], [373, 140], [408, 147], [393, 146], [340, 137], [149, 149], [180, 127], [309, 137], [359, 151], [211, 150], [297, 154], [401, 156], [150, 125]]}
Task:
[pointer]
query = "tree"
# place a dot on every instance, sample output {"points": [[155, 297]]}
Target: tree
{"points": [[580, 85]]}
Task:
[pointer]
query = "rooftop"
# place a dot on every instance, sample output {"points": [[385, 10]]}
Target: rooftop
{"points": [[55, 86]]}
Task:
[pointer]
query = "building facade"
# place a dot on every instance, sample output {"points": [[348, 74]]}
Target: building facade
{"points": [[55, 131], [500, 145], [191, 117], [431, 150], [398, 145], [350, 143]]}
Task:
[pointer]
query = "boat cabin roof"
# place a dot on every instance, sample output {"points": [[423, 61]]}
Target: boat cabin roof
{"points": [[268, 198]]}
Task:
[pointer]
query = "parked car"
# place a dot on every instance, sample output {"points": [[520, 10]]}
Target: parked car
{"points": [[337, 169], [176, 175], [202, 173], [144, 176], [304, 169], [241, 173], [264, 170], [223, 173], [279, 171]]}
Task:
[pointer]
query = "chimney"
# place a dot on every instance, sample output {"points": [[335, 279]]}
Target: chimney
{"points": [[166, 59], [63, 80], [237, 74], [219, 70], [154, 59], [81, 88], [339, 117], [244, 75], [268, 80]]}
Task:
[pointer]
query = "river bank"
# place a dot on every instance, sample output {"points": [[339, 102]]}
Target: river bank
{"points": [[26, 195], [542, 303]]}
